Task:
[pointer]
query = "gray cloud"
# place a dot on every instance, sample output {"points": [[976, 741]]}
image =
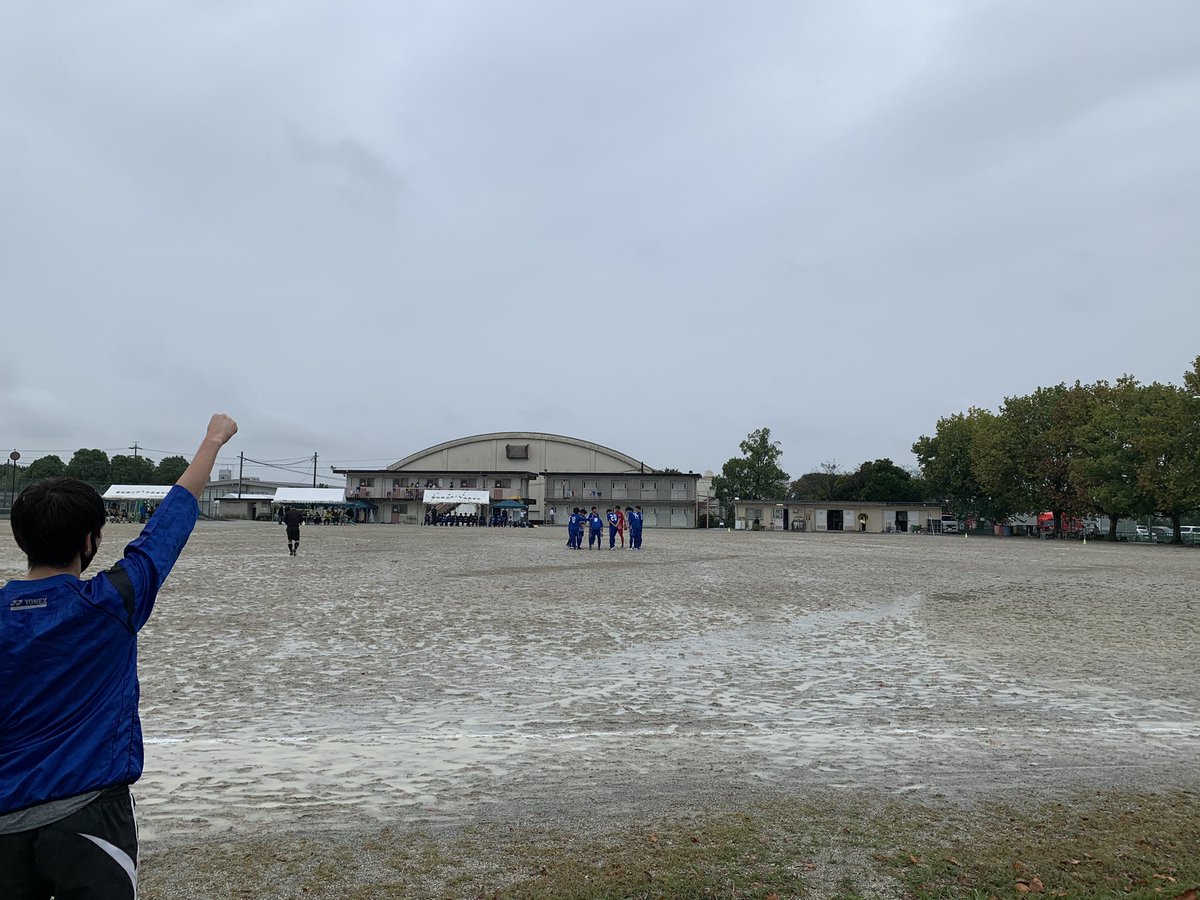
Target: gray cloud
{"points": [[371, 227]]}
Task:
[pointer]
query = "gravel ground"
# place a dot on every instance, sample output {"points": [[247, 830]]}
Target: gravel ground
{"points": [[416, 678]]}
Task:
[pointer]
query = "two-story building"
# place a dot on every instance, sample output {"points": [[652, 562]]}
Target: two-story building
{"points": [[551, 473]]}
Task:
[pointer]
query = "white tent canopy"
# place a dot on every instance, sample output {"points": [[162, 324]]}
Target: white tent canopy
{"points": [[137, 491], [327, 496], [438, 497]]}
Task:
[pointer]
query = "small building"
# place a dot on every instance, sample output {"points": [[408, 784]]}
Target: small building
{"points": [[216, 494], [877, 517], [243, 506]]}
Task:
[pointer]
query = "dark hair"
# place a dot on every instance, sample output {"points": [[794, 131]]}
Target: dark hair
{"points": [[51, 520]]}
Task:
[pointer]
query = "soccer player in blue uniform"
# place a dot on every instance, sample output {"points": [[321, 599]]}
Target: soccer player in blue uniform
{"points": [[635, 528], [614, 524], [595, 529], [573, 528], [70, 736]]}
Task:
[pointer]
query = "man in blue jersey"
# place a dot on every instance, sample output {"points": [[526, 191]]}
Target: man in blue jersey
{"points": [[595, 529], [572, 527], [635, 528], [70, 736]]}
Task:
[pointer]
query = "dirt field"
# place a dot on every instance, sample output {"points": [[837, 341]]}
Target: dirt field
{"points": [[418, 677]]}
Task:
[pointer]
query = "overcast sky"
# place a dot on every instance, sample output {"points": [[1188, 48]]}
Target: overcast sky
{"points": [[363, 228]]}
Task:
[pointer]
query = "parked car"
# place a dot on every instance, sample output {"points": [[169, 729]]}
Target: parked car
{"points": [[1163, 534]]}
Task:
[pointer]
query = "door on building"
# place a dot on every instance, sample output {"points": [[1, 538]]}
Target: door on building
{"points": [[785, 519], [834, 520], [253, 511], [902, 520], [679, 517]]}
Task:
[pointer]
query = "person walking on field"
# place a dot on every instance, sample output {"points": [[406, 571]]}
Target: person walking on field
{"points": [[635, 528], [292, 519], [70, 735]]}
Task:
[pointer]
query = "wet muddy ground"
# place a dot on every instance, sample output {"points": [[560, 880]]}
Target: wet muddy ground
{"points": [[419, 676]]}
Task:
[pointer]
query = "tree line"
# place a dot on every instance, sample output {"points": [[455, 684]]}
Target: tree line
{"points": [[756, 475], [95, 467], [1119, 450]]}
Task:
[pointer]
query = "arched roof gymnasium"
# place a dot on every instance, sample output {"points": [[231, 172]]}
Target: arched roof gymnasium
{"points": [[529, 451]]}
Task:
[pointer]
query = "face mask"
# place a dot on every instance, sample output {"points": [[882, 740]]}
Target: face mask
{"points": [[85, 558]]}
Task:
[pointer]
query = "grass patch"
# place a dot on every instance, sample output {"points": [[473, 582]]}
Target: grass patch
{"points": [[1107, 845]]}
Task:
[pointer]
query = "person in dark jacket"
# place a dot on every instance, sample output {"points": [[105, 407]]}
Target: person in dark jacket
{"points": [[292, 519], [70, 735]]}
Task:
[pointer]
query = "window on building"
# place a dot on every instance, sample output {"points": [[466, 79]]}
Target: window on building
{"points": [[516, 451], [366, 482], [503, 482], [468, 483]]}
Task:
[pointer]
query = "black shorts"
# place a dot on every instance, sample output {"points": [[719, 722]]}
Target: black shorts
{"points": [[293, 534], [91, 853]]}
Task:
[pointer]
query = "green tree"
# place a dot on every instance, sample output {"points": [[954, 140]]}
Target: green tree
{"points": [[818, 486], [46, 467], [1106, 470], [169, 469], [883, 480], [1023, 458], [131, 470], [756, 474], [89, 465], [1167, 448], [947, 463]]}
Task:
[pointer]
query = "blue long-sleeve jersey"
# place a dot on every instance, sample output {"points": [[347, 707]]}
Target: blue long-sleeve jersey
{"points": [[68, 668]]}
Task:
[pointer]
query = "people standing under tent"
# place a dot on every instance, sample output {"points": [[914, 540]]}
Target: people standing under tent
{"points": [[595, 529], [634, 517], [292, 518]]}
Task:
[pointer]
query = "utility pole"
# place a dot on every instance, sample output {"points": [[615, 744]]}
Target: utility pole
{"points": [[241, 462], [135, 448], [12, 493], [314, 469]]}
